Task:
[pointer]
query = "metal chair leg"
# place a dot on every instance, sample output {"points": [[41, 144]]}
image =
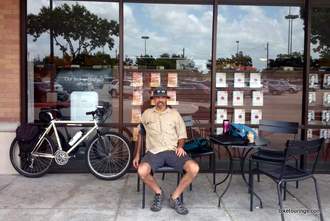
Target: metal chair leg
{"points": [[297, 182], [190, 187], [213, 165], [138, 184], [251, 185], [258, 173], [279, 194], [163, 176], [284, 191], [318, 198], [143, 195]]}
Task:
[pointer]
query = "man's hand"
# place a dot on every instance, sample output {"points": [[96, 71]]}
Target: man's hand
{"points": [[180, 152], [136, 162]]}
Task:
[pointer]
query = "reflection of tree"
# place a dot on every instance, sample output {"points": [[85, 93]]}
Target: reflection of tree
{"points": [[235, 61], [76, 25], [293, 60], [320, 20], [164, 60], [320, 31]]}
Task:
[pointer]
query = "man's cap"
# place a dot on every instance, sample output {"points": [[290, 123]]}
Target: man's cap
{"points": [[160, 92]]}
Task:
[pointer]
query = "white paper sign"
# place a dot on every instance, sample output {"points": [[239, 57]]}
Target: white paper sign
{"points": [[256, 116], [220, 80], [238, 98], [239, 80], [257, 98], [239, 116], [222, 98], [221, 116], [82, 102], [255, 80]]}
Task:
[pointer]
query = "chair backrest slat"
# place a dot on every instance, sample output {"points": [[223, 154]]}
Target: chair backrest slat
{"points": [[298, 147], [306, 147], [279, 127]]}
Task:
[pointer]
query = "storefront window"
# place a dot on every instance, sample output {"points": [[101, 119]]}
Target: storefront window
{"points": [[72, 57], [262, 47], [319, 79], [168, 45]]}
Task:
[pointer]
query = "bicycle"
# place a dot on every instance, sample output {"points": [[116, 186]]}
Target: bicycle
{"points": [[108, 156]]}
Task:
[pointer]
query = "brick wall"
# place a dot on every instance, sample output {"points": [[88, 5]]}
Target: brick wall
{"points": [[9, 61]]}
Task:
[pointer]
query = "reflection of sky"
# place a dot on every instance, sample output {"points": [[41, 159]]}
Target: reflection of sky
{"points": [[174, 27]]}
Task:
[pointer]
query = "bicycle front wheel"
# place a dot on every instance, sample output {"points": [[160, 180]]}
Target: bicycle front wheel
{"points": [[109, 156], [28, 164]]}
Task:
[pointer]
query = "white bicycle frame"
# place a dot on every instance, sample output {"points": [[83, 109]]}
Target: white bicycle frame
{"points": [[52, 125]]}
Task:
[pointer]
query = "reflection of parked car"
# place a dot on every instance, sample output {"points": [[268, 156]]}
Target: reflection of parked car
{"points": [[114, 88], [189, 91], [280, 87]]}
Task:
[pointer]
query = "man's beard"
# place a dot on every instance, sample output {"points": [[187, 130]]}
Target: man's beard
{"points": [[158, 104]]}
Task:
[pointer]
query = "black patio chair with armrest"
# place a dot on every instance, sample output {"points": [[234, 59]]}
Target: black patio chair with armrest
{"points": [[203, 151], [165, 169], [283, 172], [272, 155]]}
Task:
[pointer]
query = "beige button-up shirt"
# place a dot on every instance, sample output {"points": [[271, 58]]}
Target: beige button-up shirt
{"points": [[163, 129]]}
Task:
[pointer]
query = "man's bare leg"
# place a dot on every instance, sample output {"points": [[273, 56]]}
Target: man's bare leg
{"points": [[191, 168], [144, 172]]}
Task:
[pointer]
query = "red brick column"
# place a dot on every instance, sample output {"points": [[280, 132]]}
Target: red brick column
{"points": [[9, 61]]}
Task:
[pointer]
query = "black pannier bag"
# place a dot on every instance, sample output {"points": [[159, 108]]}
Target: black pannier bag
{"points": [[27, 136]]}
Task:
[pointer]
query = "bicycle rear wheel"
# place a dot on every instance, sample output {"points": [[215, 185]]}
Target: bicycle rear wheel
{"points": [[109, 156], [28, 165]]}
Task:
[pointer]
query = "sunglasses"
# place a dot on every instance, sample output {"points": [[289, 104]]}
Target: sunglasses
{"points": [[160, 91]]}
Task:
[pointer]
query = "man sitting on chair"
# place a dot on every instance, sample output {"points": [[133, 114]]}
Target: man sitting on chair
{"points": [[165, 136]]}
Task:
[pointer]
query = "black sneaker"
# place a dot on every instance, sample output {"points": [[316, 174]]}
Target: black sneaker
{"points": [[178, 206], [157, 202]]}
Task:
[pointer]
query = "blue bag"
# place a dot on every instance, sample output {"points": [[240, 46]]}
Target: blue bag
{"points": [[197, 143], [241, 130]]}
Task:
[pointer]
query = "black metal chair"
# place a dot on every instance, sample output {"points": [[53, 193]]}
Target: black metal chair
{"points": [[270, 154], [205, 151], [165, 169], [284, 172]]}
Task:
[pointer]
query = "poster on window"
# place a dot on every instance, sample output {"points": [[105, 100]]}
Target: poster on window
{"points": [[172, 100], [309, 134], [311, 116], [325, 117], [313, 81], [257, 98], [136, 115], [238, 98], [326, 99], [222, 98], [155, 80], [326, 81], [255, 80], [137, 80], [239, 80], [239, 116], [172, 79], [256, 116], [312, 98], [324, 133], [220, 79], [137, 97], [221, 116]]}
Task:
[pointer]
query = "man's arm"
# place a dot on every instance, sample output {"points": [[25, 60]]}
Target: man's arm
{"points": [[138, 148], [179, 150]]}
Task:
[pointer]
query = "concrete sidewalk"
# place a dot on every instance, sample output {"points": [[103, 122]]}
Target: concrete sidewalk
{"points": [[84, 197]]}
